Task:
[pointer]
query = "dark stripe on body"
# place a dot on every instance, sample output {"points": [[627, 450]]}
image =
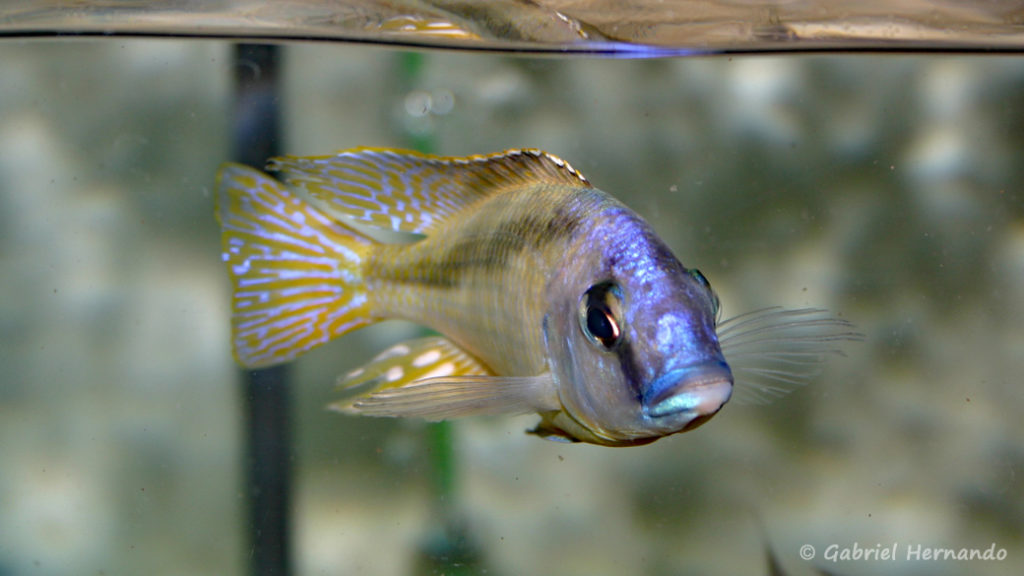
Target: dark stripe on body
{"points": [[632, 372], [479, 247]]}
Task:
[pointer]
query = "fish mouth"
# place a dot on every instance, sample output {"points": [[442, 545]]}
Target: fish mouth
{"points": [[687, 397]]}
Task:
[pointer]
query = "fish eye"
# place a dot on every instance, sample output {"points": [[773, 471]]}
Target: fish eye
{"points": [[599, 314], [703, 281]]}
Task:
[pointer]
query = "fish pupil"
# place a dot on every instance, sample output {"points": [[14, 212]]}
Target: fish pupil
{"points": [[600, 326], [598, 318]]}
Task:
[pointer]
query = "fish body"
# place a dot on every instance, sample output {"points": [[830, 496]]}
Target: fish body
{"points": [[549, 295]]}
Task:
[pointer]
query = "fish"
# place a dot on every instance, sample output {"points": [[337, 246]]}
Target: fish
{"points": [[544, 294]]}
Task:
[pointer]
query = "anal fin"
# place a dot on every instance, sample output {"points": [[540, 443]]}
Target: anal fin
{"points": [[433, 378]]}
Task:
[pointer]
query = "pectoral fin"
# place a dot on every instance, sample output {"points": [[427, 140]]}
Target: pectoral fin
{"points": [[458, 396], [432, 378]]}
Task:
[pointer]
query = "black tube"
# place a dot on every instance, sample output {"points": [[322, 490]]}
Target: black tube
{"points": [[266, 393]]}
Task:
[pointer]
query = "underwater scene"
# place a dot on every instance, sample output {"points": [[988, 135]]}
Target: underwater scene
{"points": [[886, 190]]}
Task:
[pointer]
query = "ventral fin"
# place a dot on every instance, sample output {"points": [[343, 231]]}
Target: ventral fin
{"points": [[432, 378], [406, 191], [549, 431]]}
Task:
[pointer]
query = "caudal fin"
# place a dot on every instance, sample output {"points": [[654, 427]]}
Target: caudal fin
{"points": [[296, 274]]}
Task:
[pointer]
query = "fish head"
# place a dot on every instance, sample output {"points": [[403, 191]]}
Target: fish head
{"points": [[631, 339]]}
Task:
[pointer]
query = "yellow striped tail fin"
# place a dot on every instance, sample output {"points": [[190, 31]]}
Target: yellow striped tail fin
{"points": [[296, 274]]}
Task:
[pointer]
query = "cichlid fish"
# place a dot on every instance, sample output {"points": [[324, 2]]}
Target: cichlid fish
{"points": [[549, 295]]}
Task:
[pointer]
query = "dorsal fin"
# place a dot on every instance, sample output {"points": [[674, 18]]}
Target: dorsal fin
{"points": [[407, 191]]}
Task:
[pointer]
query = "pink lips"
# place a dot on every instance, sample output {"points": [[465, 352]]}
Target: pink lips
{"points": [[691, 392]]}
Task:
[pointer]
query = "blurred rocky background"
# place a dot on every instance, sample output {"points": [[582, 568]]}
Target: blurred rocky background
{"points": [[887, 189]]}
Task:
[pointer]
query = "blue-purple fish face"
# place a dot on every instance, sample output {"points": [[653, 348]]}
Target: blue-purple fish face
{"points": [[632, 338]]}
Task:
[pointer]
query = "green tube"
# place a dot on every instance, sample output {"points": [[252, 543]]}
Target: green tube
{"points": [[446, 548], [439, 436]]}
